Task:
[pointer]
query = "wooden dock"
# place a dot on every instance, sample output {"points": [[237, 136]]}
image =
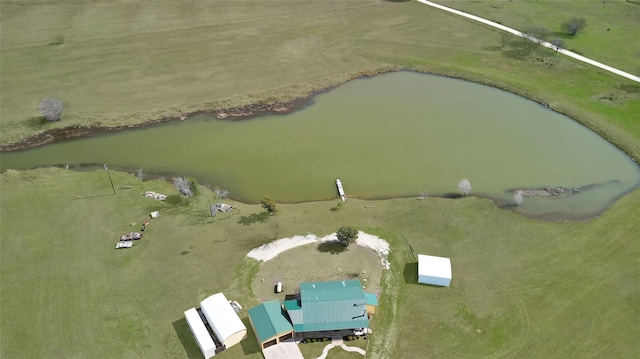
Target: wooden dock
{"points": [[341, 190]]}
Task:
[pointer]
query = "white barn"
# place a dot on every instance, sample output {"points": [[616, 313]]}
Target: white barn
{"points": [[200, 333], [223, 320], [434, 270]]}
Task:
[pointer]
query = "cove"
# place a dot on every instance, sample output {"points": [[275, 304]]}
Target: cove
{"points": [[392, 135]]}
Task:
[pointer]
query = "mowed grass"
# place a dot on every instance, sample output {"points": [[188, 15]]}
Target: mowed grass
{"points": [[122, 63], [521, 288]]}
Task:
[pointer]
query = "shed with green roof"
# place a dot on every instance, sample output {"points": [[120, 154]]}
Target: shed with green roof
{"points": [[270, 324]]}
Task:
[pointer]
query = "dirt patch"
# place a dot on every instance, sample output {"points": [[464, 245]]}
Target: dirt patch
{"points": [[305, 261]]}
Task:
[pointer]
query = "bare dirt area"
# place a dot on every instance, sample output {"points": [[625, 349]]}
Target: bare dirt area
{"points": [[309, 258]]}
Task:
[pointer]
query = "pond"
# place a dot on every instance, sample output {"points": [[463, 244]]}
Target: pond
{"points": [[393, 135]]}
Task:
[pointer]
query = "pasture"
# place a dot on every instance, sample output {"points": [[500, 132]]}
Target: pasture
{"points": [[520, 287]]}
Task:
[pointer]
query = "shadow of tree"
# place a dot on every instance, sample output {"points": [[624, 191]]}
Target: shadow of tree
{"points": [[452, 195], [253, 218], [630, 88], [515, 54], [35, 122], [333, 247], [492, 48]]}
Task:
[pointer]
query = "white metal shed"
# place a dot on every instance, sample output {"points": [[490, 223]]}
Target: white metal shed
{"points": [[200, 333], [434, 270], [223, 320]]}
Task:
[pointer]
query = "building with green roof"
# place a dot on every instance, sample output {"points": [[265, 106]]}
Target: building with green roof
{"points": [[330, 306], [270, 324]]}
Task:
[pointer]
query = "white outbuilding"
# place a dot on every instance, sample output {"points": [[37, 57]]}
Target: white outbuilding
{"points": [[223, 320], [200, 333], [434, 270]]}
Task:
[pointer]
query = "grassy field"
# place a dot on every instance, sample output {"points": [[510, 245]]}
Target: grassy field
{"points": [[521, 288], [121, 63], [610, 24]]}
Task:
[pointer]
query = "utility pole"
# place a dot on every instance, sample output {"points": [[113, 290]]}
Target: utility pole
{"points": [[106, 168]]}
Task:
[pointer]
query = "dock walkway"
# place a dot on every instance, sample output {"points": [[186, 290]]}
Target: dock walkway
{"points": [[341, 190]]}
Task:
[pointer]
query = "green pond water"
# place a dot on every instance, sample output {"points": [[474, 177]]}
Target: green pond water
{"points": [[393, 135]]}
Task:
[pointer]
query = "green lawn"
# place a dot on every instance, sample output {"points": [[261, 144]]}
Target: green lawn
{"points": [[121, 63], [532, 289]]}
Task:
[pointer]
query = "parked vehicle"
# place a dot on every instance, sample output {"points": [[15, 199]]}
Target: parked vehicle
{"points": [[124, 244], [131, 236]]}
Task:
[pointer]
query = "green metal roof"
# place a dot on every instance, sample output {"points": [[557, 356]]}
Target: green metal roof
{"points": [[292, 304], [329, 306], [371, 299], [268, 320], [329, 291]]}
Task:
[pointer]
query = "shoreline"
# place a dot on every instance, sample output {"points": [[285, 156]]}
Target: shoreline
{"points": [[499, 203], [257, 109]]}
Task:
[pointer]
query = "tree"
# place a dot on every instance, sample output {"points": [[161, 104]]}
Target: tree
{"points": [[536, 33], [505, 38], [464, 186], [186, 186], [221, 192], [270, 205], [347, 235], [533, 36], [558, 43], [517, 198], [574, 25], [50, 109]]}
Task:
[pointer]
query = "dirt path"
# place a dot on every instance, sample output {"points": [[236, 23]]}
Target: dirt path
{"points": [[271, 250], [531, 38]]}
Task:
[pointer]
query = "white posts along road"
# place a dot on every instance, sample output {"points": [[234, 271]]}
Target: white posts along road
{"points": [[543, 43]]}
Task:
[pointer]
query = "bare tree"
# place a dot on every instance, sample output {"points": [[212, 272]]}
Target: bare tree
{"points": [[464, 186], [557, 43], [505, 38], [517, 198], [51, 108], [533, 36], [221, 192], [574, 25], [140, 174], [186, 186]]}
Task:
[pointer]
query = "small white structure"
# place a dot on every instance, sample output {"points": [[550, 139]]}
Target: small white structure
{"points": [[154, 214], [434, 270], [200, 333], [341, 190], [223, 320]]}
